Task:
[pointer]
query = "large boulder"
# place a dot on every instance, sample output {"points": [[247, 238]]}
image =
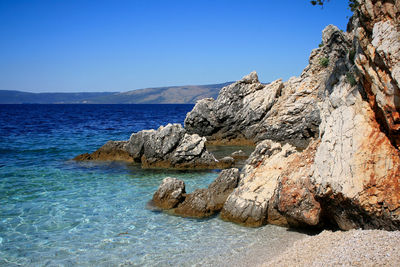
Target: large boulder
{"points": [[155, 145], [171, 147], [254, 203], [249, 202]]}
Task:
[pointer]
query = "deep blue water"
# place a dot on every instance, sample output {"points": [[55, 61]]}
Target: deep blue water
{"points": [[57, 212]]}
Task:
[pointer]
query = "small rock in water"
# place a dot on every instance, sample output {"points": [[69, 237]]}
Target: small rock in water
{"points": [[240, 154], [169, 194], [202, 202]]}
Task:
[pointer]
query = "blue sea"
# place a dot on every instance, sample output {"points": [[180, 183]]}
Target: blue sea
{"points": [[57, 212]]}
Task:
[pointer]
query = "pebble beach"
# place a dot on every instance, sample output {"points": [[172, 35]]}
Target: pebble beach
{"points": [[351, 248]]}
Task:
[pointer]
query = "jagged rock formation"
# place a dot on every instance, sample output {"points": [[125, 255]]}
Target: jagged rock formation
{"points": [[349, 175], [169, 146], [247, 111], [202, 202], [166, 147]]}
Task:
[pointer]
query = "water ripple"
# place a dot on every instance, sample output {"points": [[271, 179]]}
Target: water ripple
{"points": [[57, 212]]}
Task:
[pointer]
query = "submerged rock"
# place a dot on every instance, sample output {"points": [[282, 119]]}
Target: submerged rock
{"points": [[240, 154]]}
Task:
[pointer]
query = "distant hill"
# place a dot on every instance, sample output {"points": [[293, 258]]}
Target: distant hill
{"points": [[18, 97], [161, 95]]}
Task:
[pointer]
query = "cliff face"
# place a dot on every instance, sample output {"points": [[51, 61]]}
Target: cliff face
{"points": [[377, 40], [349, 174]]}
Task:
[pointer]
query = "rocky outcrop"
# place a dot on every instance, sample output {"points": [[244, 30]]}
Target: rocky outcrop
{"points": [[202, 202], [265, 192], [167, 147], [112, 150], [170, 146], [357, 164], [348, 176], [247, 111]]}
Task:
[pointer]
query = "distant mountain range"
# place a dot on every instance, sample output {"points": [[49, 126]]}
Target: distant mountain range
{"points": [[160, 95]]}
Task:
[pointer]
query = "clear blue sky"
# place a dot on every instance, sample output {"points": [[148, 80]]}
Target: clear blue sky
{"points": [[120, 45]]}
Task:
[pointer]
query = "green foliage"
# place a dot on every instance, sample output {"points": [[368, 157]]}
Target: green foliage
{"points": [[324, 62], [352, 54], [350, 79], [353, 4], [321, 44], [318, 2]]}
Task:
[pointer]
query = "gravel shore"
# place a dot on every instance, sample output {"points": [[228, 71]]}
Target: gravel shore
{"points": [[270, 241], [351, 248]]}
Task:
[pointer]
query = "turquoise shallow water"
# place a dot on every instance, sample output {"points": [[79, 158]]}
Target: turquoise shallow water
{"points": [[56, 212]]}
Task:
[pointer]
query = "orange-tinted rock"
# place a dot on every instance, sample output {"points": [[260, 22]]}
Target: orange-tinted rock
{"points": [[378, 34], [295, 195], [111, 151]]}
